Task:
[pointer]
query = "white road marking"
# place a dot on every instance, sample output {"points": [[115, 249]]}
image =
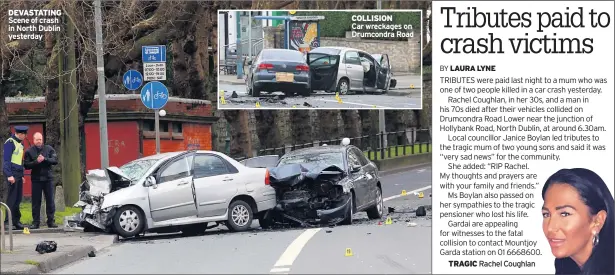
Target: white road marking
{"points": [[292, 251], [420, 171], [410, 192], [280, 270], [354, 103]]}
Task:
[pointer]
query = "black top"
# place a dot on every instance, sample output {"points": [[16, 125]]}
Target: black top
{"points": [[40, 171]]}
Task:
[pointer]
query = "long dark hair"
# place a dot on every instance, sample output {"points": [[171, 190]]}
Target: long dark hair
{"points": [[596, 195]]}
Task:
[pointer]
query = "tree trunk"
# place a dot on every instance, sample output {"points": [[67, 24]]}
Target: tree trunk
{"points": [[268, 135], [4, 134], [301, 128], [328, 124], [69, 102], [240, 137], [352, 123]]}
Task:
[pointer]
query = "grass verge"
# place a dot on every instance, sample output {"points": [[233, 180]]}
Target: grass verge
{"points": [[26, 214]]}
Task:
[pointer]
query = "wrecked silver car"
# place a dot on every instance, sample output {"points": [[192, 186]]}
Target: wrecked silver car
{"points": [[171, 192], [323, 185]]}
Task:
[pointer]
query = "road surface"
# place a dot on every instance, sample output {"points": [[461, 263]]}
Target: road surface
{"points": [[403, 247], [406, 95]]}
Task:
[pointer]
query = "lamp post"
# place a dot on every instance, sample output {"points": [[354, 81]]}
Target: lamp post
{"points": [[160, 113]]}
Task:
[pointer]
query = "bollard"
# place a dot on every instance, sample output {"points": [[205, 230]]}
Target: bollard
{"points": [[8, 210]]}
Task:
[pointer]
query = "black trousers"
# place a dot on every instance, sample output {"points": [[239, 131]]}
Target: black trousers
{"points": [[44, 187], [14, 199]]}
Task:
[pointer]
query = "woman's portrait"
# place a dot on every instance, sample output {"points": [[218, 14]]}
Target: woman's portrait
{"points": [[578, 221]]}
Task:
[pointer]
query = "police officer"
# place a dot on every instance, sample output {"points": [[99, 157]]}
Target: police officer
{"points": [[14, 172], [40, 158]]}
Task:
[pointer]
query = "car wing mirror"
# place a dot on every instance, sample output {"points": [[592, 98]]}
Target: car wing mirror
{"points": [[355, 168], [150, 181], [249, 62]]}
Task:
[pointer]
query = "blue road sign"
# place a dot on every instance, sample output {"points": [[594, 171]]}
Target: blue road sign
{"points": [[154, 95], [132, 80], [156, 53]]}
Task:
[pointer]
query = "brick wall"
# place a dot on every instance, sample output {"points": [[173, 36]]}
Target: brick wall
{"points": [[195, 136]]}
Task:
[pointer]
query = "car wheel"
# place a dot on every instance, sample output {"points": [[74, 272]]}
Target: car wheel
{"points": [[194, 229], [305, 92], [343, 86], [255, 91], [239, 216], [348, 219], [377, 211], [128, 221]]}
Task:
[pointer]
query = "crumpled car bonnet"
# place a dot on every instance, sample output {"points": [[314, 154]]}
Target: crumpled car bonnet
{"points": [[101, 184], [292, 174]]}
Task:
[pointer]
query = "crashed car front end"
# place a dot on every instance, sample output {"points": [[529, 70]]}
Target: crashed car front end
{"points": [[92, 192], [310, 194]]}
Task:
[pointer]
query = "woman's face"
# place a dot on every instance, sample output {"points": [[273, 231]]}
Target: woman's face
{"points": [[567, 223]]}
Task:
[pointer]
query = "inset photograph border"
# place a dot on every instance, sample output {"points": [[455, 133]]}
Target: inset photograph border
{"points": [[320, 59]]}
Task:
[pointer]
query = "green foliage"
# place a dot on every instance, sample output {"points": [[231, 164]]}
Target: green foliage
{"points": [[337, 23]]}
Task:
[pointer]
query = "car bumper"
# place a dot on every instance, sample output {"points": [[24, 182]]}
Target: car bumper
{"points": [[267, 82], [336, 213]]}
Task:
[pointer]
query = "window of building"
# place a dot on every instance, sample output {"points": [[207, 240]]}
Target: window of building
{"points": [[177, 127]]}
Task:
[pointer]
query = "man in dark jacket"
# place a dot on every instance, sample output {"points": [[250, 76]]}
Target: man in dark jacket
{"points": [[12, 167], [40, 158]]}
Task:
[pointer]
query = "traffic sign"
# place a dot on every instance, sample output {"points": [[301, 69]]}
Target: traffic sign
{"points": [[154, 95], [155, 53], [132, 80], [155, 71]]}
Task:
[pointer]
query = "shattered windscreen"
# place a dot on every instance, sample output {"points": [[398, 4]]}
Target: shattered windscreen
{"points": [[325, 159], [136, 169]]}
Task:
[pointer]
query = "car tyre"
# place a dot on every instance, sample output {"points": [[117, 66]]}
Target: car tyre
{"points": [[377, 211], [343, 86], [128, 221], [305, 92], [240, 216], [256, 92], [348, 219]]}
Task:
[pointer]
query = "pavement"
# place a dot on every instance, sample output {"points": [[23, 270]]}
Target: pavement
{"points": [[403, 247], [23, 259], [406, 95]]}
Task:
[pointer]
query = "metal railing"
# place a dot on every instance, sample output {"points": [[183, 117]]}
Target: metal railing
{"points": [[378, 146], [2, 234]]}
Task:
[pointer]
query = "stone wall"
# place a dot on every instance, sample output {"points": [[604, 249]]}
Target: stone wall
{"points": [[405, 56]]}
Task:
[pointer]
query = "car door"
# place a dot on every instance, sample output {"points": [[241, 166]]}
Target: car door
{"points": [[216, 182], [172, 196], [384, 74], [323, 70], [358, 178], [354, 69], [371, 175]]}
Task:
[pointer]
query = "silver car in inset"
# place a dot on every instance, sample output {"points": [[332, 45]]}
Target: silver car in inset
{"points": [[343, 70], [179, 191]]}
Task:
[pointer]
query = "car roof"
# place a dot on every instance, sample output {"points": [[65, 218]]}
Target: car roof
{"points": [[319, 149], [174, 154]]}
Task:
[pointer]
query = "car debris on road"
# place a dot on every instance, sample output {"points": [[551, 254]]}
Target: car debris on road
{"points": [[46, 247]]}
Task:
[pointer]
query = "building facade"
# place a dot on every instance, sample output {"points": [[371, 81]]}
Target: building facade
{"points": [[130, 128]]}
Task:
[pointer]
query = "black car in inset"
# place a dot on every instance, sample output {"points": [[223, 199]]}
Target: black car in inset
{"points": [[276, 70]]}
